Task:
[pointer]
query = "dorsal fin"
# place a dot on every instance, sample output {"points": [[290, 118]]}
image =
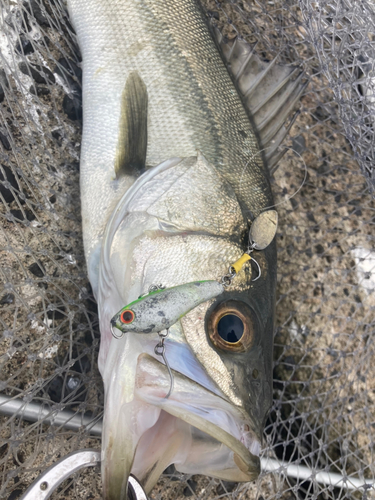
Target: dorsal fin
{"points": [[269, 91], [132, 139]]}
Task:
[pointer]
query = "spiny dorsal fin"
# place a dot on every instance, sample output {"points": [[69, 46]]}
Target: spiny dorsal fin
{"points": [[132, 141], [269, 91]]}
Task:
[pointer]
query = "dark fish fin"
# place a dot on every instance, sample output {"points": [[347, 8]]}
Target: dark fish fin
{"points": [[132, 140], [269, 91]]}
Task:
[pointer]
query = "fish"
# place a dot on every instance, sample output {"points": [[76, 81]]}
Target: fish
{"points": [[177, 144]]}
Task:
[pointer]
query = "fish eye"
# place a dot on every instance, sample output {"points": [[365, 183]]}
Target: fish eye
{"points": [[231, 326], [127, 316]]}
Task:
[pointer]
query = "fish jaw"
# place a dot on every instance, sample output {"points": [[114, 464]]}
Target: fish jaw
{"points": [[237, 447]]}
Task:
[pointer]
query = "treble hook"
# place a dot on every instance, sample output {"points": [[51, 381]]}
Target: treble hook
{"points": [[160, 351]]}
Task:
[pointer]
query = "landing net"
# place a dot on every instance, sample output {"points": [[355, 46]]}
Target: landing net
{"points": [[323, 417]]}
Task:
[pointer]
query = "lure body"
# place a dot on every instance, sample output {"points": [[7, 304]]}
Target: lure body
{"points": [[161, 309]]}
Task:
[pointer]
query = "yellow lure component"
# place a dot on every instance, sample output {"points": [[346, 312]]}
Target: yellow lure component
{"points": [[237, 266]]}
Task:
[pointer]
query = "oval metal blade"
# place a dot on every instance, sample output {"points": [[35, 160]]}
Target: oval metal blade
{"points": [[263, 229]]}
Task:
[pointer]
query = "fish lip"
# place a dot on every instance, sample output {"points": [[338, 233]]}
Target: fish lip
{"points": [[247, 462]]}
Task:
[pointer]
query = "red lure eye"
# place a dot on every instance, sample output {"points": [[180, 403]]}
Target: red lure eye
{"points": [[127, 316]]}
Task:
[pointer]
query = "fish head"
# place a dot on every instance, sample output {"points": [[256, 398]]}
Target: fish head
{"points": [[181, 222]]}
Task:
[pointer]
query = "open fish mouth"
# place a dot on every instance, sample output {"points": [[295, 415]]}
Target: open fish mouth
{"points": [[196, 428], [233, 448]]}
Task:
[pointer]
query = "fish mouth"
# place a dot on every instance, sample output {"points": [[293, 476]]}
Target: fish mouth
{"points": [[206, 415], [196, 429]]}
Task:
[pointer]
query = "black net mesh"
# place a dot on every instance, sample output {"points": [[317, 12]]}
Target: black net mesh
{"points": [[323, 417]]}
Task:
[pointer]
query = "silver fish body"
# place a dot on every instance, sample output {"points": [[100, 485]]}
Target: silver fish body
{"points": [[183, 216]]}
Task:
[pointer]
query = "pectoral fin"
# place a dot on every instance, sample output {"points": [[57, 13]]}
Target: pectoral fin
{"points": [[132, 141]]}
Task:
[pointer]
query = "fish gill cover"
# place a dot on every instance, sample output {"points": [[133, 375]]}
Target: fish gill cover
{"points": [[323, 416]]}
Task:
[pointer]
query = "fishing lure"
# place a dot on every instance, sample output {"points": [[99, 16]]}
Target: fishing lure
{"points": [[161, 308], [158, 310]]}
